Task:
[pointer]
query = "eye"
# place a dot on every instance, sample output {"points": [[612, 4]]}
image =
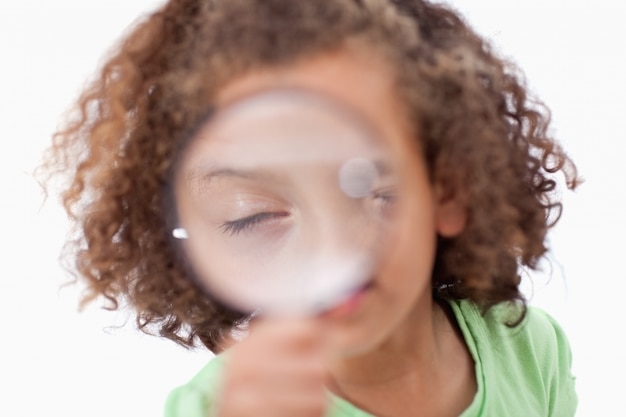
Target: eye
{"points": [[248, 223], [384, 199], [386, 195]]}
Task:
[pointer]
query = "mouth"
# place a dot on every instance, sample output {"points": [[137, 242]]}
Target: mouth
{"points": [[350, 303]]}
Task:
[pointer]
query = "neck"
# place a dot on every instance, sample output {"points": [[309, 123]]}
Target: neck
{"points": [[423, 368]]}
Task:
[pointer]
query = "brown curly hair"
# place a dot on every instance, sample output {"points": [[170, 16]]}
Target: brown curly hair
{"points": [[469, 108]]}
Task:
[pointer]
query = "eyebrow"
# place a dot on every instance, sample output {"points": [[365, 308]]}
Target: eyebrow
{"points": [[383, 167], [207, 172], [202, 172]]}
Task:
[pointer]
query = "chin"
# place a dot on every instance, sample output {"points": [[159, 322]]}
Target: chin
{"points": [[357, 340]]}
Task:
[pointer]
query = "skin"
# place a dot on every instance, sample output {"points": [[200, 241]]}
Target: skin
{"points": [[393, 351]]}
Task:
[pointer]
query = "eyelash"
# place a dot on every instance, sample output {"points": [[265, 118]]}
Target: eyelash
{"points": [[241, 225], [388, 196]]}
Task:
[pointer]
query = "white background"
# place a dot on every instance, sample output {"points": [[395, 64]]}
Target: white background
{"points": [[55, 361]]}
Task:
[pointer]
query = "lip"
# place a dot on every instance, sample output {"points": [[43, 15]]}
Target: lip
{"points": [[350, 304]]}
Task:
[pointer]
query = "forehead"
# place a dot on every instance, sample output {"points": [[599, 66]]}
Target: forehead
{"points": [[359, 80], [281, 117], [280, 128]]}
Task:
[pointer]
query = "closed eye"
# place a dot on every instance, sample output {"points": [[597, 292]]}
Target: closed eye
{"points": [[245, 224], [385, 196]]}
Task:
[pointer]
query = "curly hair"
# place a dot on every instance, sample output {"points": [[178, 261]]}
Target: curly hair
{"points": [[468, 107]]}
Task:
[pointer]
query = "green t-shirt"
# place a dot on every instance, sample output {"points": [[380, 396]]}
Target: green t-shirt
{"points": [[522, 371]]}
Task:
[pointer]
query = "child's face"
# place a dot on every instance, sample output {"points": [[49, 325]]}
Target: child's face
{"points": [[288, 197], [401, 289]]}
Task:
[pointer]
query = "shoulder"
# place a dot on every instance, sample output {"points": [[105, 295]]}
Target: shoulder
{"points": [[537, 340], [529, 363], [195, 397]]}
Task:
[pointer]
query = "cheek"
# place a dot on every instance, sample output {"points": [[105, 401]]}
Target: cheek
{"points": [[402, 282], [411, 254]]}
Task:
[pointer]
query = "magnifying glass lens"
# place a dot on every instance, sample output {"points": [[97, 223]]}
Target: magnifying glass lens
{"points": [[285, 203]]}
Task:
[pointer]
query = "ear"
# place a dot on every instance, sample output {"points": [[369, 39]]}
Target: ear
{"points": [[451, 214]]}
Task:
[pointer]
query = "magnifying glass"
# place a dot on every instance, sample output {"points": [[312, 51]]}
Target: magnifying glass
{"points": [[286, 202]]}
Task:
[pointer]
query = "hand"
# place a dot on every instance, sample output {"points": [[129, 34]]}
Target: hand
{"points": [[278, 370]]}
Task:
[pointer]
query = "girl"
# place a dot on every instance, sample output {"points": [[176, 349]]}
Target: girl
{"points": [[442, 329]]}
